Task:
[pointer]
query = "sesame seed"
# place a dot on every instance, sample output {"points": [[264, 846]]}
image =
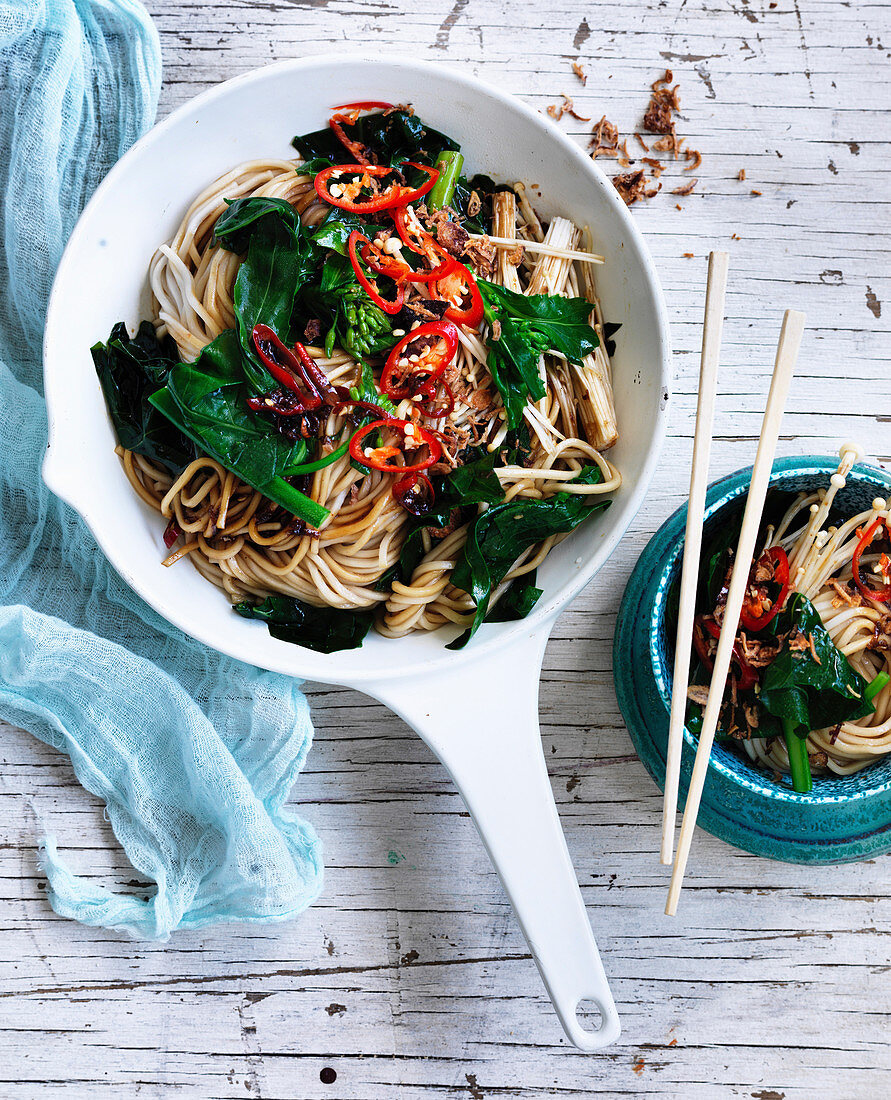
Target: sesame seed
{"points": [[368, 452], [392, 245], [398, 331], [413, 358], [335, 190], [417, 324], [403, 362]]}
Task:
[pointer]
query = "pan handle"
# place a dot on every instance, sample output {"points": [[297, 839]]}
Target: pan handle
{"points": [[481, 720]]}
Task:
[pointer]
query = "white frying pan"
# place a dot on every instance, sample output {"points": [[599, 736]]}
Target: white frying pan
{"points": [[477, 709]]}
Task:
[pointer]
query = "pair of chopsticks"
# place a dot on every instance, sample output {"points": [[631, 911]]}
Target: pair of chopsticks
{"points": [[787, 354]]}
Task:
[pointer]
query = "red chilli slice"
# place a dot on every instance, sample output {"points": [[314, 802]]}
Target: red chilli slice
{"points": [[396, 381], [394, 195], [880, 595], [405, 430], [367, 285], [469, 314]]}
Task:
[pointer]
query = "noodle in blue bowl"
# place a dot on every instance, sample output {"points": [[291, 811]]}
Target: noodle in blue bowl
{"points": [[844, 817]]}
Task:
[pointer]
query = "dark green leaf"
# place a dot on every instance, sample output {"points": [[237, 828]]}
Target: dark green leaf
{"points": [[130, 370], [206, 400], [392, 138], [334, 232], [481, 222], [235, 227], [811, 694], [325, 629], [473, 483], [315, 165], [610, 328], [367, 391], [517, 601], [280, 260], [500, 535], [530, 325]]}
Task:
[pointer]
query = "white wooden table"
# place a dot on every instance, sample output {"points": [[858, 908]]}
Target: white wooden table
{"points": [[410, 978]]}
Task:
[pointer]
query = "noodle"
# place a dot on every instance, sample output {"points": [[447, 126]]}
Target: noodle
{"points": [[250, 547], [821, 569]]}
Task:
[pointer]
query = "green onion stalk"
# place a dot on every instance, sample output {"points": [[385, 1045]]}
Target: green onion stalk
{"points": [[319, 463], [875, 686]]}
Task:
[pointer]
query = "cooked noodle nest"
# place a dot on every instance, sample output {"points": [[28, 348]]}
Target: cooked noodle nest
{"points": [[818, 557], [251, 548]]}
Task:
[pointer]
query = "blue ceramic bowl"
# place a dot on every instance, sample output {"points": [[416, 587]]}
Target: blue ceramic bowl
{"points": [[841, 819]]}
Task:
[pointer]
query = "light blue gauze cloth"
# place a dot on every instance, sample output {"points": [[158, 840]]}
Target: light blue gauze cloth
{"points": [[194, 754]]}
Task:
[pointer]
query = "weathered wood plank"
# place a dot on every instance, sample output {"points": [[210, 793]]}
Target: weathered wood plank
{"points": [[410, 978]]}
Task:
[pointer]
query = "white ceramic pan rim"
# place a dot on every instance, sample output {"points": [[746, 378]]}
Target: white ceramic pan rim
{"points": [[477, 708]]}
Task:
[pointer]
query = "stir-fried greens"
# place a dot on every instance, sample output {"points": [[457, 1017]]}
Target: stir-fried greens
{"points": [[787, 676], [390, 272]]}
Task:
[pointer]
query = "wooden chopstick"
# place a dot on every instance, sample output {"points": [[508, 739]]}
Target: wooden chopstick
{"points": [[787, 353], [705, 408]]}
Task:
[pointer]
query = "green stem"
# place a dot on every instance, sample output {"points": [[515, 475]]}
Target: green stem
{"points": [[875, 686], [319, 464], [295, 502], [799, 765], [449, 165]]}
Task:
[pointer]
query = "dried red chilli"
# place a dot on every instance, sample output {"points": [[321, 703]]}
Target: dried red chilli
{"points": [[359, 151], [407, 433], [171, 533], [295, 370], [415, 494], [280, 402], [367, 285], [366, 406], [400, 377], [880, 595], [701, 624], [395, 194]]}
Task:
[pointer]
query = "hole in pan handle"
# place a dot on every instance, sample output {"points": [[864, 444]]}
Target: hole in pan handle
{"points": [[481, 719]]}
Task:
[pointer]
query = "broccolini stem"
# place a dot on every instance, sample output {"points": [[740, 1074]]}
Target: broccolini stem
{"points": [[799, 764], [449, 164]]}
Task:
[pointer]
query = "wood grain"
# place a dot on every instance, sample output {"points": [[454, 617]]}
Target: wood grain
{"points": [[409, 978]]}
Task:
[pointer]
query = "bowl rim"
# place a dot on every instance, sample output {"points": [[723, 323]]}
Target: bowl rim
{"points": [[735, 486], [285, 657]]}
